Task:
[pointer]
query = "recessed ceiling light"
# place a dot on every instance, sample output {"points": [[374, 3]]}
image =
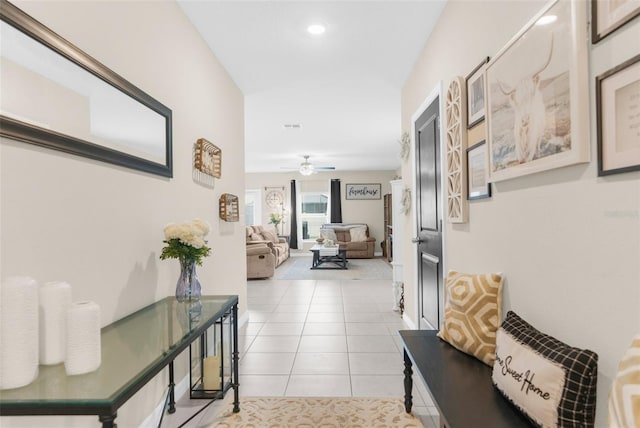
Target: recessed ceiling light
{"points": [[547, 19], [316, 29]]}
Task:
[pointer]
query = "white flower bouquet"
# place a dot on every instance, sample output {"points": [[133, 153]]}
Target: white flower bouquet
{"points": [[185, 241]]}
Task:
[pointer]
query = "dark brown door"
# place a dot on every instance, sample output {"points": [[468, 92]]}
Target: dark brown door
{"points": [[428, 199]]}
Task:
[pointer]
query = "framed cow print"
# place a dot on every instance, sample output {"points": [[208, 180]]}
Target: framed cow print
{"points": [[538, 96]]}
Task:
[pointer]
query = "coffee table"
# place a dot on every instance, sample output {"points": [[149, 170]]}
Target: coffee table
{"points": [[333, 257]]}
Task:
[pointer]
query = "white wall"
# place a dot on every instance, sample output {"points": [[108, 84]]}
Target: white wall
{"points": [[98, 226], [370, 212], [567, 241]]}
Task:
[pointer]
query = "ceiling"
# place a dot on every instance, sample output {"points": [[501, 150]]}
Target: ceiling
{"points": [[342, 88]]}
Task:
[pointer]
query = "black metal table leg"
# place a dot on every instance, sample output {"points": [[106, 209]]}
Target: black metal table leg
{"points": [[236, 384], [172, 387], [108, 420], [343, 256], [408, 383]]}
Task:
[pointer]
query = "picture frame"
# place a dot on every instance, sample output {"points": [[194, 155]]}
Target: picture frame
{"points": [[618, 118], [537, 112], [478, 171], [607, 16], [363, 191], [475, 84]]}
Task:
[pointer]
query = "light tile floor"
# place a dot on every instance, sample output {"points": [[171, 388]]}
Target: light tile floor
{"points": [[318, 338]]}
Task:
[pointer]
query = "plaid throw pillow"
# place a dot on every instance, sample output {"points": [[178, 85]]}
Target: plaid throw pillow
{"points": [[553, 383]]}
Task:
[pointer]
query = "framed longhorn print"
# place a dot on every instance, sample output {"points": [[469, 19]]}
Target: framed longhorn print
{"points": [[538, 95]]}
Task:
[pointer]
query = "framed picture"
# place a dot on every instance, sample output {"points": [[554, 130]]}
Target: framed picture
{"points": [[475, 95], [478, 171], [618, 118], [538, 95], [609, 15], [363, 191]]}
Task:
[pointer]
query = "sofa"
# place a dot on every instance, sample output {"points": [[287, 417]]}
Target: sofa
{"points": [[260, 239], [354, 237]]}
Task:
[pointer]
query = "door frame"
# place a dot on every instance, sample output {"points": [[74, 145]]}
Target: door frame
{"points": [[438, 91]]}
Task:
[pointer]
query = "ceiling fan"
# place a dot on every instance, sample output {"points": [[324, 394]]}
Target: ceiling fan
{"points": [[307, 168]]}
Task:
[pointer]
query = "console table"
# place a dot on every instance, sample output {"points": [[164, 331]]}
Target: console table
{"points": [[459, 384], [134, 350]]}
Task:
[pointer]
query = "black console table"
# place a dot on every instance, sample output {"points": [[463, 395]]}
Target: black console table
{"points": [[134, 350]]}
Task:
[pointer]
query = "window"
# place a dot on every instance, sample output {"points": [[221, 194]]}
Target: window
{"points": [[314, 213], [253, 208]]}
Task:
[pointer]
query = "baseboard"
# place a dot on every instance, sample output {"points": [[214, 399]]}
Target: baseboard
{"points": [[243, 319], [409, 322], [181, 388]]}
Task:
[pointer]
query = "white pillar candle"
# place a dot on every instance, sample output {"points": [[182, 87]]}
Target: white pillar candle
{"points": [[211, 368], [83, 338], [55, 299], [18, 332]]}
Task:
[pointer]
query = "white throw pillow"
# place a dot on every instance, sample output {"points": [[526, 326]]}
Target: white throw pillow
{"points": [[529, 380], [358, 234], [553, 383], [328, 234]]}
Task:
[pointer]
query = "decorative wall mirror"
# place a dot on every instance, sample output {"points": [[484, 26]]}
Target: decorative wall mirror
{"points": [[54, 95]]}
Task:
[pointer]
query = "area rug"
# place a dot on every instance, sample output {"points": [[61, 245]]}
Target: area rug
{"points": [[294, 412], [298, 268]]}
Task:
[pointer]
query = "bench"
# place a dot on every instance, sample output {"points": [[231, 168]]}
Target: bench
{"points": [[459, 384]]}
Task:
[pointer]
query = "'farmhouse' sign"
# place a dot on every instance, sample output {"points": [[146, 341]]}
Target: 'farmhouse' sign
{"points": [[363, 191]]}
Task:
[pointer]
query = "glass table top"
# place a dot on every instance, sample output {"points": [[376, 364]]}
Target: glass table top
{"points": [[133, 348]]}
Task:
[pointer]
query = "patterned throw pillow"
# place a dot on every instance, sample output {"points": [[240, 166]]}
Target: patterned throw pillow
{"points": [[328, 234], [472, 313], [358, 234], [554, 384], [624, 401], [269, 236]]}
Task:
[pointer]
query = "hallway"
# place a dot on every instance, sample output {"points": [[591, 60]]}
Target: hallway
{"points": [[319, 338]]}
